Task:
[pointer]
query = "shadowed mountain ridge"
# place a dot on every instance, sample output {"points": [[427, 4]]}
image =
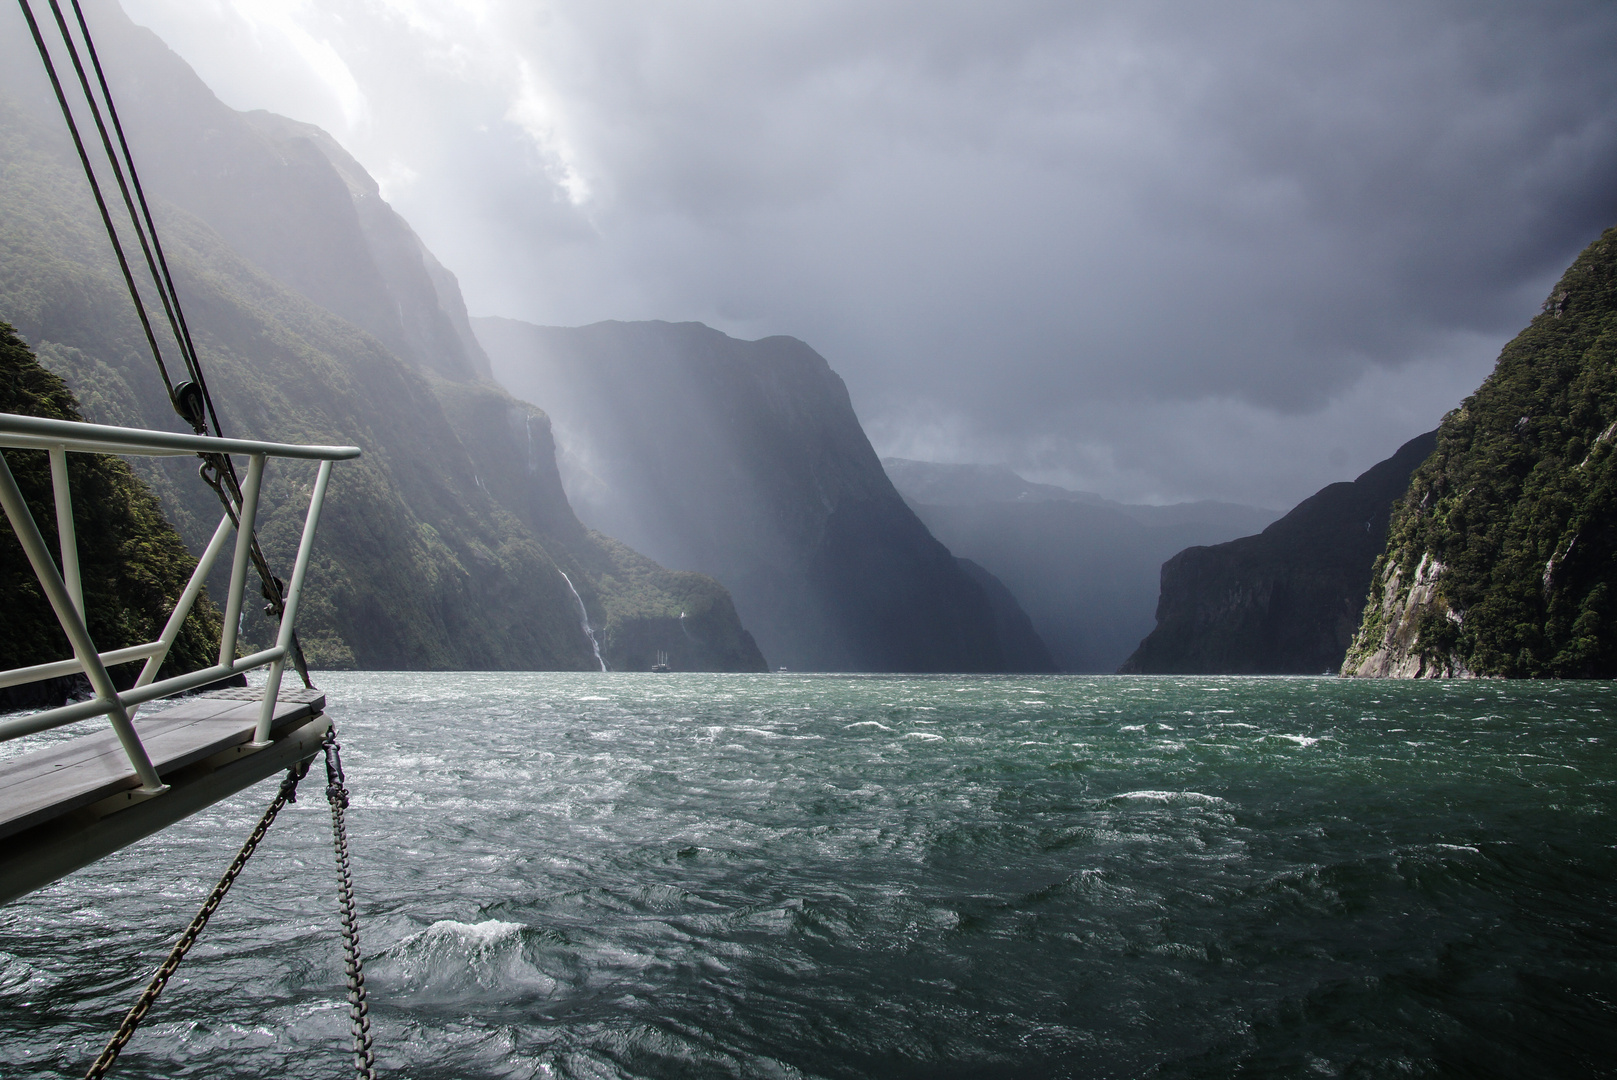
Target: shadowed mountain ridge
{"points": [[1286, 601], [744, 460]]}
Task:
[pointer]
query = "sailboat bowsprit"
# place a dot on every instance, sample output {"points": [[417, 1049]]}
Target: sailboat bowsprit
{"points": [[69, 804]]}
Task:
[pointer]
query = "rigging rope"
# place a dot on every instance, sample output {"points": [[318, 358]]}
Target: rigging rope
{"points": [[191, 399], [95, 189], [358, 1007], [182, 331]]}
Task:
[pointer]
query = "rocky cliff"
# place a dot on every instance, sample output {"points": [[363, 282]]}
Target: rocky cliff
{"points": [[1502, 558], [744, 460], [321, 318], [1283, 602], [1084, 568]]}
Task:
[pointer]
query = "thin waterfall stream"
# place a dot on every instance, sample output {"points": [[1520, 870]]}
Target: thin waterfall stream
{"points": [[584, 620]]}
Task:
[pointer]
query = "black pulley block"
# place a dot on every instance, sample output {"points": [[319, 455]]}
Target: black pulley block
{"points": [[188, 403]]}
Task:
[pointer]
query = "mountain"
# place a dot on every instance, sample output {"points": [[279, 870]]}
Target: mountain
{"points": [[744, 460], [320, 317], [932, 483], [1283, 602], [1085, 568], [1502, 558]]}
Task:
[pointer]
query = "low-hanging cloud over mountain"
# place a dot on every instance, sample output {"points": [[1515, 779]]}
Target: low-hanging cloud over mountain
{"points": [[1159, 250]]}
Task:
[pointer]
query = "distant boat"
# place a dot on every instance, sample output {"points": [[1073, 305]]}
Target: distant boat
{"points": [[662, 663]]}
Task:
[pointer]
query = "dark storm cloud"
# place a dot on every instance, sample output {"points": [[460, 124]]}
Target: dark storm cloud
{"points": [[1236, 249]]}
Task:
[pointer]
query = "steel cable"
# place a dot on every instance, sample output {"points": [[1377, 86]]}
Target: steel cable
{"points": [[95, 190], [160, 271]]}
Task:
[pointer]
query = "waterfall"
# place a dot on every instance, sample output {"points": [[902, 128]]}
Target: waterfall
{"points": [[584, 615]]}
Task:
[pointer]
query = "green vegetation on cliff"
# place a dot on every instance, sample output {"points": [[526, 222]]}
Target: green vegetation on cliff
{"points": [[1502, 557], [134, 566]]}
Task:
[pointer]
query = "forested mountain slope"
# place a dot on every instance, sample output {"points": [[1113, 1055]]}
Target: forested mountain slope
{"points": [[316, 326], [133, 566], [1502, 557]]}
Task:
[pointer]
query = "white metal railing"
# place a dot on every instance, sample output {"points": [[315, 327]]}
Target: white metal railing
{"points": [[66, 595]]}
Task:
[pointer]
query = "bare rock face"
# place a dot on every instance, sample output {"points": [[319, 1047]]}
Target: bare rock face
{"points": [[1399, 656], [1501, 560]]}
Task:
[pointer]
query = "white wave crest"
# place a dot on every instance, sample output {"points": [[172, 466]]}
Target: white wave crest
{"points": [[1193, 797], [457, 961]]}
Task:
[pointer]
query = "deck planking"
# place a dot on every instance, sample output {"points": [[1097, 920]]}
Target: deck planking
{"points": [[46, 784]]}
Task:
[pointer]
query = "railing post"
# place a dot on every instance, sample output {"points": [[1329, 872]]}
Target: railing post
{"points": [[289, 613], [66, 535], [246, 514], [39, 556], [182, 607]]}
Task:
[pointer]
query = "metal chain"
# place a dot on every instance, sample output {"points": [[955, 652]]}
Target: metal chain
{"points": [[359, 1013], [120, 1038]]}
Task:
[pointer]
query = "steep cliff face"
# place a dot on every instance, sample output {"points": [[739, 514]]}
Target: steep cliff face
{"points": [[1283, 602], [745, 460], [281, 194], [320, 318], [1011, 622], [636, 607], [1502, 558], [1084, 568]]}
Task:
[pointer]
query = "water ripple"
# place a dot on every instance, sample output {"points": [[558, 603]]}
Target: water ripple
{"points": [[613, 875]]}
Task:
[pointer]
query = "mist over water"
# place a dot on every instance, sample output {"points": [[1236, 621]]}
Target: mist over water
{"points": [[626, 875]]}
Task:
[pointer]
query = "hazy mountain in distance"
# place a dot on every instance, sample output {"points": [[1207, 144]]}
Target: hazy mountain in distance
{"points": [[320, 317], [1286, 601], [935, 483], [1501, 559], [744, 460], [1084, 568]]}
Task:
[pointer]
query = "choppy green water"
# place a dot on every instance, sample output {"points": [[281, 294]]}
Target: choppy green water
{"points": [[780, 876]]}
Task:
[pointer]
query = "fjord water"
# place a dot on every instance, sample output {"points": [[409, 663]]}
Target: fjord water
{"points": [[618, 875]]}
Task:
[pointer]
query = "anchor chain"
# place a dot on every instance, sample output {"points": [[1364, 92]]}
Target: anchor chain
{"points": [[358, 1008], [148, 998], [359, 1014]]}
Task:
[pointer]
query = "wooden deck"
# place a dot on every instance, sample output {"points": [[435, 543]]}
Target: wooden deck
{"points": [[94, 772]]}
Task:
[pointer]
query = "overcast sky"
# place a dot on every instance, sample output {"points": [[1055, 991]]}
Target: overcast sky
{"points": [[1161, 251]]}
